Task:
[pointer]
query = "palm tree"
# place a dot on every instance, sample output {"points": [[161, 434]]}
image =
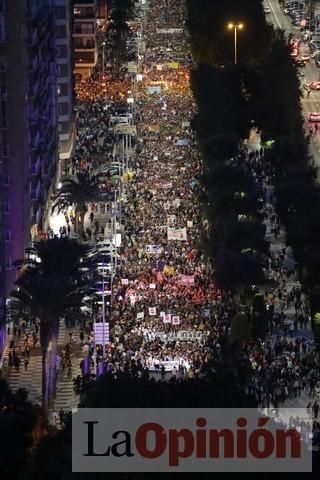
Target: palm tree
{"points": [[79, 192], [47, 289]]}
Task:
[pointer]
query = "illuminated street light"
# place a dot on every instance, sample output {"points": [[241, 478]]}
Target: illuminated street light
{"points": [[235, 27]]}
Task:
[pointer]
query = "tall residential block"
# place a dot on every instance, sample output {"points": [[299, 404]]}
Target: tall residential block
{"points": [[65, 87], [84, 37], [28, 127]]}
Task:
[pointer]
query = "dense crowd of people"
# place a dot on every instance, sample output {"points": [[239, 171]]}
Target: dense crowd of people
{"points": [[166, 313]]}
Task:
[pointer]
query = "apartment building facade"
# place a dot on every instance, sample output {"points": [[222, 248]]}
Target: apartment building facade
{"points": [[65, 80], [28, 127], [84, 37]]}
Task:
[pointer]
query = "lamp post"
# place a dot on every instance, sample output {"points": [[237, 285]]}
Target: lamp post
{"points": [[235, 27], [103, 58]]}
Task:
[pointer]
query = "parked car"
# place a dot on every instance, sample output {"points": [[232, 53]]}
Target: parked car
{"points": [[305, 57], [267, 10], [314, 117], [315, 53], [314, 85]]}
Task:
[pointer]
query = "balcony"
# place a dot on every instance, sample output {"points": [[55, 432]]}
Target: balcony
{"points": [[79, 30], [33, 115], [84, 44], [33, 38], [36, 192], [33, 63], [85, 58], [34, 89], [35, 138], [36, 167], [83, 12], [36, 214], [81, 3]]}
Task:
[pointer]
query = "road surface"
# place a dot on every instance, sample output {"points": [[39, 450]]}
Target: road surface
{"points": [[309, 73]]}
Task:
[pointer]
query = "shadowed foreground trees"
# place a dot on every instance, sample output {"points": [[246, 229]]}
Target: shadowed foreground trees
{"points": [[18, 418], [47, 288]]}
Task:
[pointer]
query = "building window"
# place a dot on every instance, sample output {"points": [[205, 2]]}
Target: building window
{"points": [[4, 113], [7, 235], [61, 51], [3, 64], [61, 12], [84, 28], [62, 70], [7, 206], [61, 31], [6, 151], [2, 25], [63, 108], [8, 263], [64, 90], [6, 180]]}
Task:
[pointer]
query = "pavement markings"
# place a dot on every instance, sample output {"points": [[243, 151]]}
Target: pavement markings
{"points": [[274, 13]]}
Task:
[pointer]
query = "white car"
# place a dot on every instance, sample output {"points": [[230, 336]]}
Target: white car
{"points": [[305, 57], [267, 10]]}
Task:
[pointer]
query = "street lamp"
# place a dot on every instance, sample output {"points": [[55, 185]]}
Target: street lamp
{"points": [[235, 27], [103, 58]]}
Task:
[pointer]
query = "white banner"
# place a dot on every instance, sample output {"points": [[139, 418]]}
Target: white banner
{"points": [[124, 281], [169, 31], [175, 320], [154, 249], [152, 311], [166, 318], [177, 234], [182, 335], [140, 315], [169, 365], [152, 286]]}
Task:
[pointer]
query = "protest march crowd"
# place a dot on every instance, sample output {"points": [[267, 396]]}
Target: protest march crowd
{"points": [[166, 315]]}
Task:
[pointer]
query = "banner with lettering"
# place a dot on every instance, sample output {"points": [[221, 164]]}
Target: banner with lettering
{"points": [[168, 365], [177, 234], [182, 335], [154, 249], [169, 31], [175, 320]]}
